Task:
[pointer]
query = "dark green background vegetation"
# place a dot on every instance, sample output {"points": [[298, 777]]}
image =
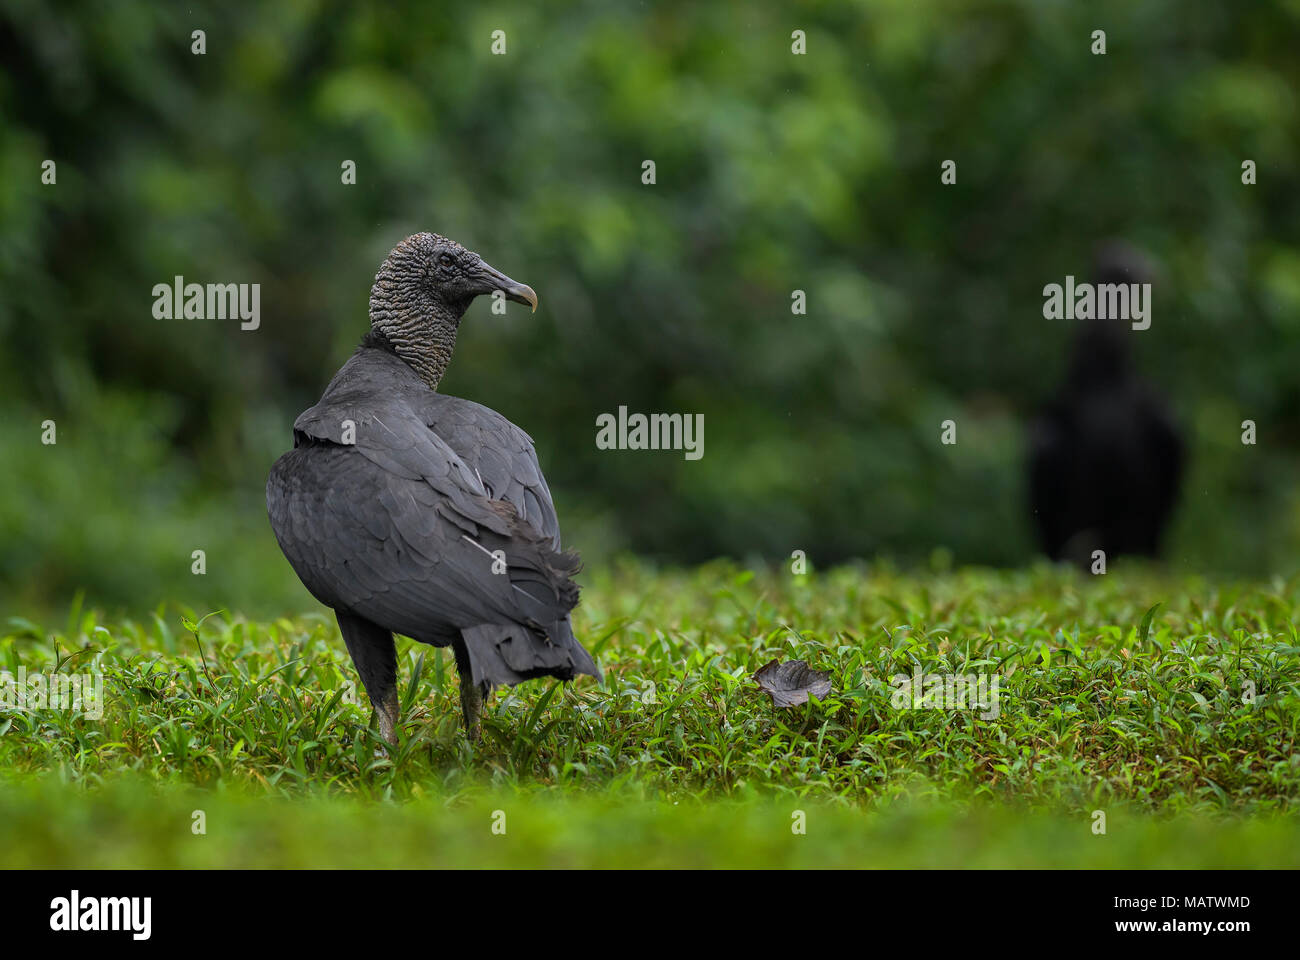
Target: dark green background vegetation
{"points": [[775, 172]]}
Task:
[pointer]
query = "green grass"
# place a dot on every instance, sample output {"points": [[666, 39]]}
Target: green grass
{"points": [[677, 759]]}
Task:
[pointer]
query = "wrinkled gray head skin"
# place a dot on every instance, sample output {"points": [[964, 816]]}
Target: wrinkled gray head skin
{"points": [[422, 291]]}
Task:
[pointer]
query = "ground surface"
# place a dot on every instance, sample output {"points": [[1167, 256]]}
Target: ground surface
{"points": [[1180, 727]]}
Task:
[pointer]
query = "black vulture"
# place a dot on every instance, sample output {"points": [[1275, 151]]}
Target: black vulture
{"points": [[1105, 455], [408, 511]]}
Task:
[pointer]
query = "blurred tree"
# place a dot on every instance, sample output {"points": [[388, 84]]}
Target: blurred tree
{"points": [[776, 172]]}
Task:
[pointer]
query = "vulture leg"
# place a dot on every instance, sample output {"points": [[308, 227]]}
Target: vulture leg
{"points": [[375, 656], [471, 693]]}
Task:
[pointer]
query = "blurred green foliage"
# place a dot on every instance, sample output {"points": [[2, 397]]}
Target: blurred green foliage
{"points": [[133, 823], [775, 172], [1169, 703]]}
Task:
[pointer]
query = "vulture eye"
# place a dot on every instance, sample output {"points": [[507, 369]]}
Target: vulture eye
{"points": [[446, 259]]}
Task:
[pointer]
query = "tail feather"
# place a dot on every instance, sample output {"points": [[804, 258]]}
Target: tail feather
{"points": [[503, 654]]}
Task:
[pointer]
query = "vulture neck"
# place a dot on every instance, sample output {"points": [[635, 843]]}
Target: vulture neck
{"points": [[423, 336]]}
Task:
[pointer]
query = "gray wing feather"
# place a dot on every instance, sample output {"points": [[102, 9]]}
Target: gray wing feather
{"points": [[399, 552], [502, 455], [394, 504]]}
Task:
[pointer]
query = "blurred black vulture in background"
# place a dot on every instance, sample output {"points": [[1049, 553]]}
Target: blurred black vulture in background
{"points": [[1105, 454], [411, 512]]}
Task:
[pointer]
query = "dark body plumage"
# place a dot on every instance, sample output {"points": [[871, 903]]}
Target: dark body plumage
{"points": [[411, 512], [1105, 454]]}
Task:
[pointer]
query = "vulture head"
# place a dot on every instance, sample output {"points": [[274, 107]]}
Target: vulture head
{"points": [[1101, 346], [421, 292]]}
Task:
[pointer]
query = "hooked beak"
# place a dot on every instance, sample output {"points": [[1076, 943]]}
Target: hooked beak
{"points": [[518, 292]]}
